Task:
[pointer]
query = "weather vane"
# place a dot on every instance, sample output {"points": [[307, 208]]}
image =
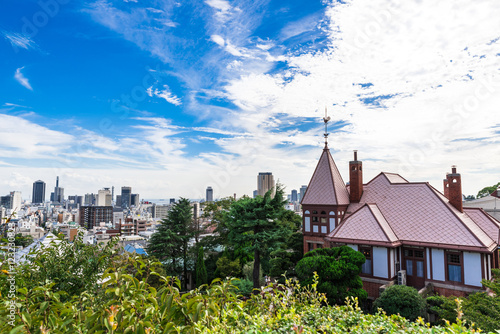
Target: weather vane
{"points": [[326, 119]]}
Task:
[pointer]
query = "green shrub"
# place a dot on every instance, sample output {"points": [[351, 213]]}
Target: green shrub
{"points": [[444, 308], [244, 286], [403, 300], [338, 270]]}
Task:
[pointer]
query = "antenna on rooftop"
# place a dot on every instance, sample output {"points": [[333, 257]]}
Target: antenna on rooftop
{"points": [[326, 119]]}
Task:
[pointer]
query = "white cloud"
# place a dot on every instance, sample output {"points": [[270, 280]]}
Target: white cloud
{"points": [[19, 40], [218, 40], [22, 79], [164, 93], [432, 69], [29, 140], [222, 7]]}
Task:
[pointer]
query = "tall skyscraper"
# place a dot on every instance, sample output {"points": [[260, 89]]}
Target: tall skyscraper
{"points": [[294, 196], [210, 194], [90, 199], [58, 195], [255, 193], [12, 201], [302, 192], [126, 197], [104, 197], [134, 200], [38, 192], [265, 181]]}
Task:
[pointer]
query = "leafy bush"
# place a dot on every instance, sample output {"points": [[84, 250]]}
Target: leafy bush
{"points": [[444, 308], [403, 300], [338, 270], [244, 287], [125, 302]]}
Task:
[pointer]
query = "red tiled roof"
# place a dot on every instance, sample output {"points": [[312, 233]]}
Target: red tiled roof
{"points": [[326, 186], [416, 213], [368, 224], [487, 223]]}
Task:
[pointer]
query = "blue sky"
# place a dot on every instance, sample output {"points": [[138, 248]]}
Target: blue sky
{"points": [[172, 96]]}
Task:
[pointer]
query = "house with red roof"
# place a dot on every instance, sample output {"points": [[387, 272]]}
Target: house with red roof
{"points": [[405, 229]]}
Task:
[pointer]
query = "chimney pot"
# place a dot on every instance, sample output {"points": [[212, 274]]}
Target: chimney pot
{"points": [[355, 155], [454, 169]]}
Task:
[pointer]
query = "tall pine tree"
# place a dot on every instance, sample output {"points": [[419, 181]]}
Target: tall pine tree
{"points": [[256, 222], [201, 270], [170, 244]]}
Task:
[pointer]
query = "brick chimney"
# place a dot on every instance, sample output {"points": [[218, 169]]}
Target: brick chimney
{"points": [[446, 187], [455, 188], [355, 179]]}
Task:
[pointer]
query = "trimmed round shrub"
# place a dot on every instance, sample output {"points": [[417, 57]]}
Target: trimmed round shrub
{"points": [[403, 300]]}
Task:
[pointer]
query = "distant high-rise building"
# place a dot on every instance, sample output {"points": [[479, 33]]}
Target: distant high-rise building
{"points": [[58, 195], [210, 194], [294, 196], [172, 200], [118, 202], [255, 193], [104, 197], [91, 216], [302, 192], [160, 211], [77, 200], [265, 182], [6, 201], [196, 210], [126, 197], [90, 199], [16, 200], [38, 192], [134, 200]]}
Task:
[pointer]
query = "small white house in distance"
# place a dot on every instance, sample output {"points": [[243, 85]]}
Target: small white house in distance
{"points": [[490, 204], [408, 231]]}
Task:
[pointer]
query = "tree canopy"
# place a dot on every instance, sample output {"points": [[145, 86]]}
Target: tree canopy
{"points": [[338, 270], [170, 244], [487, 190], [256, 223]]}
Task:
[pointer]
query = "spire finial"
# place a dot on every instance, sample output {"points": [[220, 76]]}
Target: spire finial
{"points": [[326, 119]]}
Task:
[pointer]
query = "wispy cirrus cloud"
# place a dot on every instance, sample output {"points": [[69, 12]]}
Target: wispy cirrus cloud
{"points": [[19, 76], [18, 40], [165, 94]]}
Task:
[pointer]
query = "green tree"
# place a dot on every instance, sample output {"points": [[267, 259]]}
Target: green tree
{"points": [[71, 267], [170, 244], [403, 300], [487, 190], [338, 270], [228, 268], [255, 223], [23, 241], [285, 258], [482, 309], [201, 270]]}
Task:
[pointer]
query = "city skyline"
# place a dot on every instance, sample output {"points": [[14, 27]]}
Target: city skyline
{"points": [[112, 93]]}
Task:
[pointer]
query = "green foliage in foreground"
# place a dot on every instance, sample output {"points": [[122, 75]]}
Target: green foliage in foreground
{"points": [[338, 269], [403, 300], [126, 304], [480, 309]]}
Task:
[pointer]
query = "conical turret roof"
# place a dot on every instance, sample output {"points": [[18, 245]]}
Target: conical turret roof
{"points": [[326, 186]]}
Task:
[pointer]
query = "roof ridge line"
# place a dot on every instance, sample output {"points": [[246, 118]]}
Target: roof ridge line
{"points": [[389, 225], [459, 219]]}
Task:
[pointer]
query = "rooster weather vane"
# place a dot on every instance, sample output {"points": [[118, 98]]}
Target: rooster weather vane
{"points": [[326, 119]]}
